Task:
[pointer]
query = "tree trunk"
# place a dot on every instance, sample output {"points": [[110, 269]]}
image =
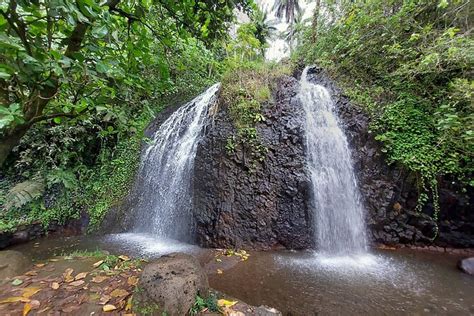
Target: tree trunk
{"points": [[315, 21], [31, 113], [10, 141]]}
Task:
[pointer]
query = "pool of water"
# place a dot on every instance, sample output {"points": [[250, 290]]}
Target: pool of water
{"points": [[304, 283]]}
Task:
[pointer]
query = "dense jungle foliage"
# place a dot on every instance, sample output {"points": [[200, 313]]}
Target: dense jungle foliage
{"points": [[80, 81], [409, 65]]}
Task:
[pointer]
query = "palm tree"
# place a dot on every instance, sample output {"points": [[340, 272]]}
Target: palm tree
{"points": [[286, 8], [291, 35], [264, 29]]}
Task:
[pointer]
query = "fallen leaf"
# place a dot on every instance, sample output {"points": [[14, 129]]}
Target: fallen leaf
{"points": [[30, 291], [104, 299], [119, 293], [128, 307], [124, 258], [55, 285], [40, 265], [68, 271], [31, 273], [80, 276], [133, 280], [218, 260], [67, 275], [109, 308], [99, 278], [219, 271], [53, 260], [15, 299], [98, 263], [77, 283], [226, 303], [26, 309], [17, 282]]}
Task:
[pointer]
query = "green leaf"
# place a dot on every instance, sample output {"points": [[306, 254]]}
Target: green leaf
{"points": [[99, 32], [17, 282]]}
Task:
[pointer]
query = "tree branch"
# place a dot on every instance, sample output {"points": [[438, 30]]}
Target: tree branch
{"points": [[49, 116]]}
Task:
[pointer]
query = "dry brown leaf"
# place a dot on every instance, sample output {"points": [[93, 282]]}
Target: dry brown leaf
{"points": [[219, 271], [15, 299], [55, 285], [119, 293], [133, 280], [98, 263], [99, 278], [53, 260], [109, 308], [104, 299], [124, 258], [40, 265], [80, 276], [68, 271], [77, 283], [30, 291], [31, 273], [26, 309]]}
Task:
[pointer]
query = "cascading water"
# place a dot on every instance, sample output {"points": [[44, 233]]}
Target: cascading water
{"points": [[162, 195], [339, 214]]}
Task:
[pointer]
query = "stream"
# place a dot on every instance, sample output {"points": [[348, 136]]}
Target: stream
{"points": [[384, 282]]}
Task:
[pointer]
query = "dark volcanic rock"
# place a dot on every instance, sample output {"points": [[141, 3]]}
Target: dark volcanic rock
{"points": [[266, 206], [170, 285], [262, 205], [390, 195]]}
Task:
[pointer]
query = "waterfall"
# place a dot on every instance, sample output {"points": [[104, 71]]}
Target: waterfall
{"points": [[338, 211], [162, 194]]}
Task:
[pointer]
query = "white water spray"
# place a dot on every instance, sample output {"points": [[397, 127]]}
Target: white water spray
{"points": [[162, 193], [338, 213]]}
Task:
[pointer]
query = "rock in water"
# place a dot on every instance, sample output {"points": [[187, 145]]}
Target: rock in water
{"points": [[170, 284], [12, 263], [467, 265]]}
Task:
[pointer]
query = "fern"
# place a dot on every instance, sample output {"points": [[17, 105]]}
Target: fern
{"points": [[23, 193]]}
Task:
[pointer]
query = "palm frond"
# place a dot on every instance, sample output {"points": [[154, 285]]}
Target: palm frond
{"points": [[23, 193]]}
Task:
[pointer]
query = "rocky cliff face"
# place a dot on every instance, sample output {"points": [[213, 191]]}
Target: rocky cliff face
{"points": [[262, 205], [266, 206], [390, 195]]}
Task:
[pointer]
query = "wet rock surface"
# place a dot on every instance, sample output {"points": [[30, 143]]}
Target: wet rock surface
{"points": [[390, 194], [12, 263], [467, 265], [267, 206], [170, 285], [239, 202], [28, 232]]}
